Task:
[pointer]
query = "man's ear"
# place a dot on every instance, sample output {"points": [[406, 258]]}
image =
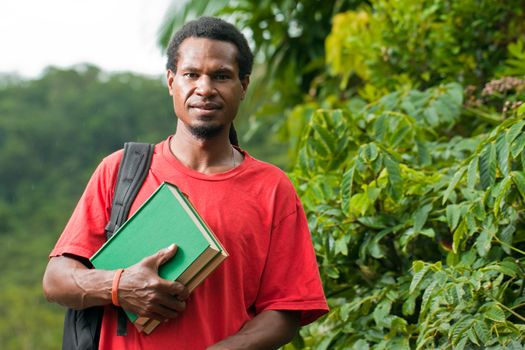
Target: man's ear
{"points": [[170, 76], [244, 83]]}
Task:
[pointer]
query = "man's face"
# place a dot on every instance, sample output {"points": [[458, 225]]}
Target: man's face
{"points": [[206, 88]]}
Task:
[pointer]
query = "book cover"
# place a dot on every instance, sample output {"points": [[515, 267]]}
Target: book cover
{"points": [[166, 217]]}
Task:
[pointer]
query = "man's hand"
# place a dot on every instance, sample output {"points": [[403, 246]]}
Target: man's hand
{"points": [[143, 292], [68, 282]]}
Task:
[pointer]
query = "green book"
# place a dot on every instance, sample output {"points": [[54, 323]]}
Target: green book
{"points": [[166, 217]]}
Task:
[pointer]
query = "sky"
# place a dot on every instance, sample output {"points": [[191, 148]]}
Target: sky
{"points": [[116, 35]]}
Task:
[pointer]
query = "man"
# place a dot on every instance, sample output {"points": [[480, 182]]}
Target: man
{"points": [[269, 285]]}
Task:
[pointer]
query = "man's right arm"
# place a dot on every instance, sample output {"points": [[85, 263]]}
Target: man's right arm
{"points": [[70, 283]]}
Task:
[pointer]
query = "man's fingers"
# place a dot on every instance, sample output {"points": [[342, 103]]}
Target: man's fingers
{"points": [[175, 289], [162, 256], [172, 303], [161, 313]]}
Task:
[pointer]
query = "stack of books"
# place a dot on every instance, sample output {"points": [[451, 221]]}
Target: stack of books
{"points": [[166, 217]]}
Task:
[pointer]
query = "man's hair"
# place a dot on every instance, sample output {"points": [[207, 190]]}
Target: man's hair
{"points": [[216, 29]]}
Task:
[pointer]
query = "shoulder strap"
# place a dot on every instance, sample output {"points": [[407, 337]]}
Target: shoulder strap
{"points": [[82, 327], [132, 171]]}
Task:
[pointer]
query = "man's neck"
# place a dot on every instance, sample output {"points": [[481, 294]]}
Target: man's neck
{"points": [[209, 156]]}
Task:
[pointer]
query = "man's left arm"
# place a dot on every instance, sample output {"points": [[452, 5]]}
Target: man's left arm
{"points": [[268, 330]]}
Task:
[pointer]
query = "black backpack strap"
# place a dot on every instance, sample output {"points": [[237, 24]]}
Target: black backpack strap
{"points": [[82, 327], [133, 169]]}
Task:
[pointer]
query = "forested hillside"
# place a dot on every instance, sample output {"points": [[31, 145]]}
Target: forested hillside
{"points": [[53, 132]]}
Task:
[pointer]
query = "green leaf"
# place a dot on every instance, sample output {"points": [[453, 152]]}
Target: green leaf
{"points": [[375, 249], [501, 192], [394, 176], [458, 236], [453, 183], [517, 146], [359, 203], [431, 116], [453, 215], [455, 93], [325, 136], [346, 188], [344, 311], [460, 328], [423, 154], [425, 305], [377, 221], [514, 131], [484, 241], [506, 235], [503, 154], [461, 343], [381, 311], [519, 180], [494, 313], [416, 280], [471, 334], [304, 161], [361, 344], [409, 305], [508, 268], [418, 265], [482, 331], [368, 152], [420, 217], [332, 272], [400, 135], [380, 127], [472, 172], [341, 245], [319, 147], [487, 166]]}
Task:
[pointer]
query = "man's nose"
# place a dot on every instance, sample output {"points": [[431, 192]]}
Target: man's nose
{"points": [[205, 86]]}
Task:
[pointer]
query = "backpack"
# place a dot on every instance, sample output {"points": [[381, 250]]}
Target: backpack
{"points": [[82, 327]]}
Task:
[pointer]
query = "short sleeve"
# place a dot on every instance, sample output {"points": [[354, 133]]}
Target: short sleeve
{"points": [[291, 279], [85, 230]]}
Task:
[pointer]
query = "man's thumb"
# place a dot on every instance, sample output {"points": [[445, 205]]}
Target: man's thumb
{"points": [[164, 255]]}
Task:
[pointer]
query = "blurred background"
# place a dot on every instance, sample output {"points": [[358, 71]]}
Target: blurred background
{"points": [[399, 122]]}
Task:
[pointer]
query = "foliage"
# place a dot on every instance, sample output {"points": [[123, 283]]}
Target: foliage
{"points": [[411, 170], [413, 43], [388, 198]]}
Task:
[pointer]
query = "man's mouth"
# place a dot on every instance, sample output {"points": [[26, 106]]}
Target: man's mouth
{"points": [[207, 106]]}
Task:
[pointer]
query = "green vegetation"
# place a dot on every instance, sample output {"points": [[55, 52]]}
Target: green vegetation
{"points": [[413, 177], [404, 125]]}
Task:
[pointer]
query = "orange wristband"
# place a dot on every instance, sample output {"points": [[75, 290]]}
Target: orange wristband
{"points": [[114, 287]]}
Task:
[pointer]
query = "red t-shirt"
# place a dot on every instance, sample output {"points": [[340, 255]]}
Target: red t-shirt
{"points": [[254, 211]]}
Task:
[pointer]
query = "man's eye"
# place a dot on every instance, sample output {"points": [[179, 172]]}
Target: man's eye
{"points": [[190, 75], [222, 77]]}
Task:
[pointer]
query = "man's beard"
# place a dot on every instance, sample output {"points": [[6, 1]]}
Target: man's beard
{"points": [[206, 132]]}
